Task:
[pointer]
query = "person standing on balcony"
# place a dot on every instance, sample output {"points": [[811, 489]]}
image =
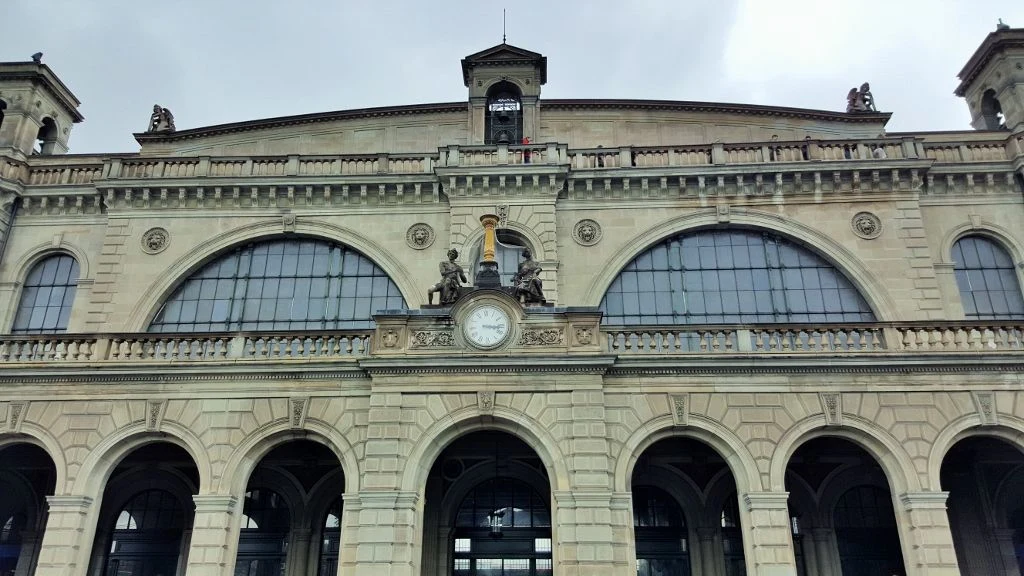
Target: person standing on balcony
{"points": [[526, 151]]}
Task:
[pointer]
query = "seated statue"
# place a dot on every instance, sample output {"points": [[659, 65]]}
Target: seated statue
{"points": [[161, 120], [860, 100], [526, 283], [452, 277]]}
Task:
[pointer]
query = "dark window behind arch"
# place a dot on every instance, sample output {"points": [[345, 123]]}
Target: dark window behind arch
{"points": [[147, 535], [866, 533], [987, 279], [731, 276], [662, 546], [46, 299], [292, 284], [263, 541]]}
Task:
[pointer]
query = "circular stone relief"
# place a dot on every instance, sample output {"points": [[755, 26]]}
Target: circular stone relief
{"points": [[155, 240], [866, 225], [419, 236], [586, 232]]}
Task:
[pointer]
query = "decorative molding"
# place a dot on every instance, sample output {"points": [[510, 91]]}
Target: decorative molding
{"points": [[155, 240], [866, 225], [587, 232], [155, 414], [389, 338], [214, 503], [299, 407], [924, 500], [722, 211], [288, 223], [680, 404], [501, 210], [432, 339], [16, 415], [419, 236], [542, 337], [585, 335], [485, 401], [766, 500], [984, 402], [832, 407]]}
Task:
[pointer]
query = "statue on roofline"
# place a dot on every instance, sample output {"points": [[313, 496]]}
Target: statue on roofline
{"points": [[860, 100], [452, 277], [161, 120]]}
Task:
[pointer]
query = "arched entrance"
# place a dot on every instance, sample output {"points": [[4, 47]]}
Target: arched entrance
{"points": [[27, 476], [686, 489], [846, 508], [488, 509], [985, 480], [291, 516], [145, 522]]}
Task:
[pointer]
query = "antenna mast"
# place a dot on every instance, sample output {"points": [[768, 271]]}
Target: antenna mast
{"points": [[502, 25]]}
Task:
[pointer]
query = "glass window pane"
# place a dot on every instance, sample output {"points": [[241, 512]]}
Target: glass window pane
{"points": [[47, 296], [987, 279]]}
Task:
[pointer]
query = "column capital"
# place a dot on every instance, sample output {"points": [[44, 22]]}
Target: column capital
{"points": [[766, 500], [381, 499], [215, 502], [924, 500], [68, 503]]}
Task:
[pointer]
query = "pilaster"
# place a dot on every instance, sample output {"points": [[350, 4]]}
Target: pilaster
{"points": [[768, 541], [214, 536], [379, 534], [928, 542], [590, 534], [64, 541]]}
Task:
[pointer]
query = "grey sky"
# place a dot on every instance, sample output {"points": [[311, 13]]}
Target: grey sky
{"points": [[216, 61]]}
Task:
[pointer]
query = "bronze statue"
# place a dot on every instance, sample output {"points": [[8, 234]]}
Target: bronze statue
{"points": [[526, 282], [452, 277], [860, 100], [161, 120]]}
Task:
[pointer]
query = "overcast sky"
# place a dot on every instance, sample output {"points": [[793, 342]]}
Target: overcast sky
{"points": [[217, 61]]}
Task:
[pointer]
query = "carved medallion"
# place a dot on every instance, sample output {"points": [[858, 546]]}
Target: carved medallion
{"points": [[155, 240], [389, 339], [541, 337], [584, 335], [419, 236], [586, 232], [866, 225]]}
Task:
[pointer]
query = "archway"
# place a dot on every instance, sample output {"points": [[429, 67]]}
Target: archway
{"points": [[291, 514], [845, 505], [992, 111], [145, 521], [47, 136], [488, 509], [707, 539], [985, 480], [27, 476]]}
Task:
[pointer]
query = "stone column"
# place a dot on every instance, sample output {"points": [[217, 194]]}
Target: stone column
{"points": [[64, 551], [299, 551], [379, 534], [589, 533], [1004, 542], [214, 536], [822, 542], [28, 553], [927, 539], [770, 547], [708, 554]]}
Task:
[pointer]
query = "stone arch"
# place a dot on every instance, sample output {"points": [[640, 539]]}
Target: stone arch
{"points": [[542, 251], [886, 450], [991, 110], [1009, 429], [446, 430], [984, 228], [869, 286], [517, 82], [666, 480], [39, 252], [165, 284], [455, 495], [248, 454], [706, 430], [36, 435], [95, 470]]}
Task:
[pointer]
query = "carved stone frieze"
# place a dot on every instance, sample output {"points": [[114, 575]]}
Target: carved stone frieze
{"points": [[419, 236], [432, 339], [542, 337], [155, 240]]}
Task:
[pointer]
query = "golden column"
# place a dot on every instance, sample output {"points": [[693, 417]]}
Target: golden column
{"points": [[487, 276]]}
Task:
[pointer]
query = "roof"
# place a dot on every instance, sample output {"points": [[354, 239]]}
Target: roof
{"points": [[995, 43], [505, 55], [42, 75]]}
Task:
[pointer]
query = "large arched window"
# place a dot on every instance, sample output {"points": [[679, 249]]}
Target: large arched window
{"points": [[866, 533], [263, 542], [504, 123], [147, 535], [662, 547], [46, 299], [293, 284], [508, 252], [731, 276], [987, 279]]}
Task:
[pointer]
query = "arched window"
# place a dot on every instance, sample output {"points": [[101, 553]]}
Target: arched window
{"points": [[661, 538], [47, 136], [732, 538], [263, 541], [866, 533], [731, 276], [147, 535], [508, 252], [293, 284], [330, 546], [502, 527], [46, 299], [987, 279], [991, 111], [504, 123]]}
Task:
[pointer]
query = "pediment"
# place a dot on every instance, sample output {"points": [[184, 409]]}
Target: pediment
{"points": [[504, 55]]}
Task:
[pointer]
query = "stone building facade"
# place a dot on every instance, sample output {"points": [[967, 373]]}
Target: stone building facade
{"points": [[774, 341]]}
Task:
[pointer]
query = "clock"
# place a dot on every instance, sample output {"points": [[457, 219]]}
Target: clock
{"points": [[486, 327]]}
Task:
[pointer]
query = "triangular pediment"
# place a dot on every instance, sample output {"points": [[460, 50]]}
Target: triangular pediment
{"points": [[504, 55]]}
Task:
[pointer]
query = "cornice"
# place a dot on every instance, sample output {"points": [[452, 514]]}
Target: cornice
{"points": [[488, 364], [995, 43], [733, 108], [817, 364], [162, 373]]}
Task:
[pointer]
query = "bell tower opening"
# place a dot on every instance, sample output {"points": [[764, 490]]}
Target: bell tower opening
{"points": [[991, 81], [47, 136], [992, 112], [504, 114]]}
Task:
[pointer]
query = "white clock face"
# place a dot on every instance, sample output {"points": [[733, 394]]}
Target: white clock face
{"points": [[487, 327]]}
